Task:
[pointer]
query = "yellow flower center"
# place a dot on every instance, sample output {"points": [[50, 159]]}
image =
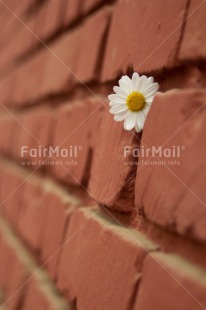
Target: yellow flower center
{"points": [[135, 101]]}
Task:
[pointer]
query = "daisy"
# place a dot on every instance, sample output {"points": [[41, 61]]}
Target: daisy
{"points": [[132, 100]]}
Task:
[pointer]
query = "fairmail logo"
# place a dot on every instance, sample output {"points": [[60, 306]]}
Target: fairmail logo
{"points": [[173, 152], [49, 152]]}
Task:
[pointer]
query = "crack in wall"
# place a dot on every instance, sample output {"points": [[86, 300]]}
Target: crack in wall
{"points": [[167, 78]]}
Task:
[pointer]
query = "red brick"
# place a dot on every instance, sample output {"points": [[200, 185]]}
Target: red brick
{"points": [[35, 298], [11, 192], [42, 82], [60, 66], [4, 13], [113, 174], [192, 46], [5, 127], [28, 286], [59, 207], [41, 16], [3, 175], [29, 86], [41, 296], [97, 275], [17, 280], [7, 89], [117, 52], [21, 43], [91, 4], [49, 19], [27, 36], [92, 46], [11, 137], [4, 262], [76, 123], [27, 137], [14, 189], [35, 134], [72, 11], [20, 10], [14, 284], [169, 282], [15, 134], [143, 37], [13, 25], [10, 29], [173, 195], [31, 215]]}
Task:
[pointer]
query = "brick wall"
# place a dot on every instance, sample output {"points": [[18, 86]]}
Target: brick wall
{"points": [[95, 229]]}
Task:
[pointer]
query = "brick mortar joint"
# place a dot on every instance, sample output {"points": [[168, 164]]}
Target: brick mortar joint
{"points": [[33, 269], [100, 89]]}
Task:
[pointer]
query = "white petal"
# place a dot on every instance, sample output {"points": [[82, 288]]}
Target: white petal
{"points": [[130, 121], [123, 86], [142, 83], [121, 116], [147, 83], [116, 98], [120, 91], [128, 83], [135, 75], [135, 81], [140, 120], [150, 80], [149, 99], [146, 110], [118, 109], [111, 104], [151, 90], [137, 128]]}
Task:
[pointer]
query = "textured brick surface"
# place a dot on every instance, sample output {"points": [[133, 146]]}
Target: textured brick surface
{"points": [[35, 133], [27, 287], [61, 63], [12, 198], [17, 277], [92, 46], [58, 208], [31, 215], [97, 275], [28, 86], [5, 126], [72, 11], [73, 132], [90, 4], [39, 297], [11, 194], [96, 223], [169, 193], [194, 35], [20, 43], [182, 285], [144, 35], [50, 17], [114, 189], [19, 272]]}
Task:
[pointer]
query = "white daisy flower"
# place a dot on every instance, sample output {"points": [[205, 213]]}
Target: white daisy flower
{"points": [[132, 100]]}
